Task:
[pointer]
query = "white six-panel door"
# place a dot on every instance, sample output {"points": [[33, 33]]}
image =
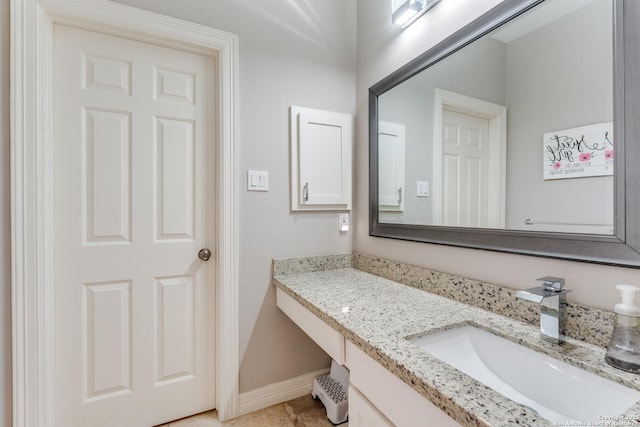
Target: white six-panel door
{"points": [[134, 203], [465, 161]]}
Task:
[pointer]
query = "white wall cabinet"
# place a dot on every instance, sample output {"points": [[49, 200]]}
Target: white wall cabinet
{"points": [[391, 161], [377, 398], [321, 144]]}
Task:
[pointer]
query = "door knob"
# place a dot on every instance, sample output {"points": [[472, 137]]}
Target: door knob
{"points": [[204, 254]]}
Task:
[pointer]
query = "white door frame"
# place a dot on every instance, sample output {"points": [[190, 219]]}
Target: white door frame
{"points": [[497, 116], [32, 24]]}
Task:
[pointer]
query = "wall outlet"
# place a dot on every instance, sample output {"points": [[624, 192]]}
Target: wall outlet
{"points": [[343, 222]]}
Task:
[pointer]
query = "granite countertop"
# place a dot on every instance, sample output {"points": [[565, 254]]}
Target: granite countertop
{"points": [[381, 313]]}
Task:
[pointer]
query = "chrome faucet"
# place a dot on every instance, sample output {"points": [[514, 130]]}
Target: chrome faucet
{"points": [[552, 297]]}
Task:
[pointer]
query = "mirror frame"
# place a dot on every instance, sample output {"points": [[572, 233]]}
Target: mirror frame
{"points": [[623, 247]]}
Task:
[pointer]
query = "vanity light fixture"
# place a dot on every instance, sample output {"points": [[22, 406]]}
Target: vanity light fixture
{"points": [[405, 12]]}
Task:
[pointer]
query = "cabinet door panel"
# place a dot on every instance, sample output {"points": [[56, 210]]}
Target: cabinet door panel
{"points": [[362, 413], [320, 160], [395, 399]]}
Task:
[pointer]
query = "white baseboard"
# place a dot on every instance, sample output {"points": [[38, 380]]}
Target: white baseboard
{"points": [[276, 393]]}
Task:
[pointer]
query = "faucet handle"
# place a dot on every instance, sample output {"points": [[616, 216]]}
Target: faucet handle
{"points": [[553, 284]]}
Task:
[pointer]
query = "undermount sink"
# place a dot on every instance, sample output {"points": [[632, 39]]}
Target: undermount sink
{"points": [[556, 390]]}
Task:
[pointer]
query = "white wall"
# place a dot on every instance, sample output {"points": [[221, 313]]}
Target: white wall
{"points": [[383, 48]]}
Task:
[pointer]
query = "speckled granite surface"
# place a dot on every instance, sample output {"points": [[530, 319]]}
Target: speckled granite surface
{"points": [[383, 312], [311, 263], [584, 323]]}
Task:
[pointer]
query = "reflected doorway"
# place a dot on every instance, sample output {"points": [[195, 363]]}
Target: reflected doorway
{"points": [[469, 161]]}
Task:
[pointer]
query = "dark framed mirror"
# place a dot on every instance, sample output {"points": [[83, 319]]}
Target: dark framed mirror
{"points": [[519, 133]]}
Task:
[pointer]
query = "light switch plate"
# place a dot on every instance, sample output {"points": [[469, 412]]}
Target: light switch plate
{"points": [[422, 189], [257, 180]]}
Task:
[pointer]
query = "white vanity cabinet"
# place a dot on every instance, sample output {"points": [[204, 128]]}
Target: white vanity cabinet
{"points": [[323, 335], [362, 413], [398, 402], [377, 398], [321, 144]]}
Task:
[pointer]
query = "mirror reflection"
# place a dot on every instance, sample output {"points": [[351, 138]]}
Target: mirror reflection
{"points": [[513, 131]]}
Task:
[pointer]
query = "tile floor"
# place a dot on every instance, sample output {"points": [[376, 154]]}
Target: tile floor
{"points": [[300, 412]]}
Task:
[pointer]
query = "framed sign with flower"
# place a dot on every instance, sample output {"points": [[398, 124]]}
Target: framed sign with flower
{"points": [[578, 152]]}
